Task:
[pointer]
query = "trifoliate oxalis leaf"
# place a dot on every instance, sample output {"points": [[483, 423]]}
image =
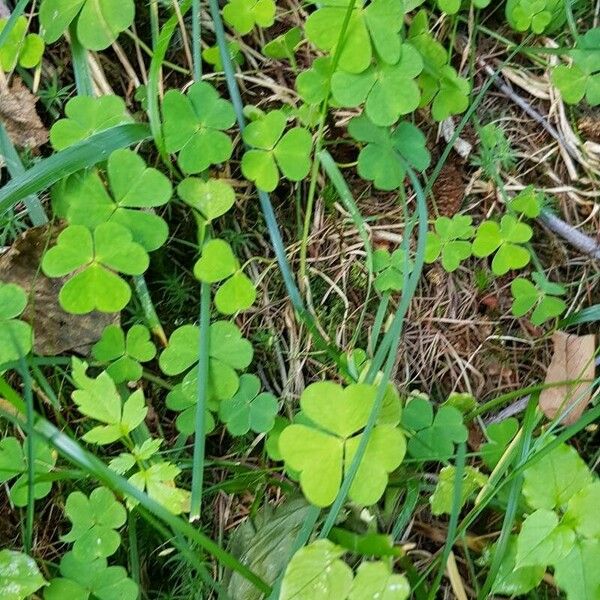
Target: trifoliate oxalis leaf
{"points": [[451, 240], [243, 15], [16, 336], [20, 48]]}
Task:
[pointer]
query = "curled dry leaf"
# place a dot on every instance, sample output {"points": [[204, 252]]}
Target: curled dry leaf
{"points": [[55, 331], [19, 117], [573, 360]]}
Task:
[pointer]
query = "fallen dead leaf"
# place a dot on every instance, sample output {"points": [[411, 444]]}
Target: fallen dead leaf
{"points": [[573, 360], [19, 117], [55, 331]]}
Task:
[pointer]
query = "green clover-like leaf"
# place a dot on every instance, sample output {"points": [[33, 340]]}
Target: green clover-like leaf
{"points": [[375, 580], [126, 460], [20, 576], [313, 83], [391, 269], [97, 259], [528, 202], [16, 336], [578, 574], [375, 26], [194, 125], [249, 409], [84, 200], [99, 399], [85, 116], [82, 580], [582, 78], [211, 198], [384, 158], [500, 435], [545, 304], [433, 437], [124, 353], [212, 55], [158, 481], [99, 22], [450, 240], [183, 400], [388, 91], [581, 511], [317, 571], [273, 151], [538, 16], [505, 240], [19, 47], [322, 452], [216, 263], [13, 464], [284, 45], [94, 523], [452, 97], [243, 15]]}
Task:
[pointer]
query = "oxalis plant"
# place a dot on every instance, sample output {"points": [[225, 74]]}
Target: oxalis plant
{"points": [[114, 437]]}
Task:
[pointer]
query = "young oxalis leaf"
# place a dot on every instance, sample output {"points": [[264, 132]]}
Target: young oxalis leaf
{"points": [[249, 409], [273, 151], [217, 264], [451, 240], [433, 438], [505, 241], [284, 45], [581, 79], [312, 84], [243, 15], [391, 269], [86, 116], [541, 298], [97, 258], [527, 202], [323, 449], [20, 48], [538, 16], [451, 7], [83, 199], [94, 524], [123, 354], [375, 26], [384, 158], [99, 399], [13, 466], [83, 580], [388, 91], [99, 22], [16, 336], [194, 126], [499, 435]]}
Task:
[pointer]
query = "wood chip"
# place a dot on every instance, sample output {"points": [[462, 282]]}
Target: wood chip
{"points": [[19, 117], [573, 360]]}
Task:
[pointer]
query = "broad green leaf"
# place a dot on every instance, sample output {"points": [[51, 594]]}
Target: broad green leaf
{"points": [[99, 22], [384, 158], [236, 294], [578, 574], [211, 198], [243, 15], [513, 581], [442, 499], [500, 435], [554, 479], [216, 263], [16, 336], [19, 575], [542, 541], [374, 581], [194, 126], [94, 521], [321, 455], [19, 47], [377, 24], [85, 116], [388, 91], [249, 409], [316, 571], [581, 513]]}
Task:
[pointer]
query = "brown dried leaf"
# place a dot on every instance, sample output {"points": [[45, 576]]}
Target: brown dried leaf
{"points": [[573, 360], [55, 331], [19, 117]]}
